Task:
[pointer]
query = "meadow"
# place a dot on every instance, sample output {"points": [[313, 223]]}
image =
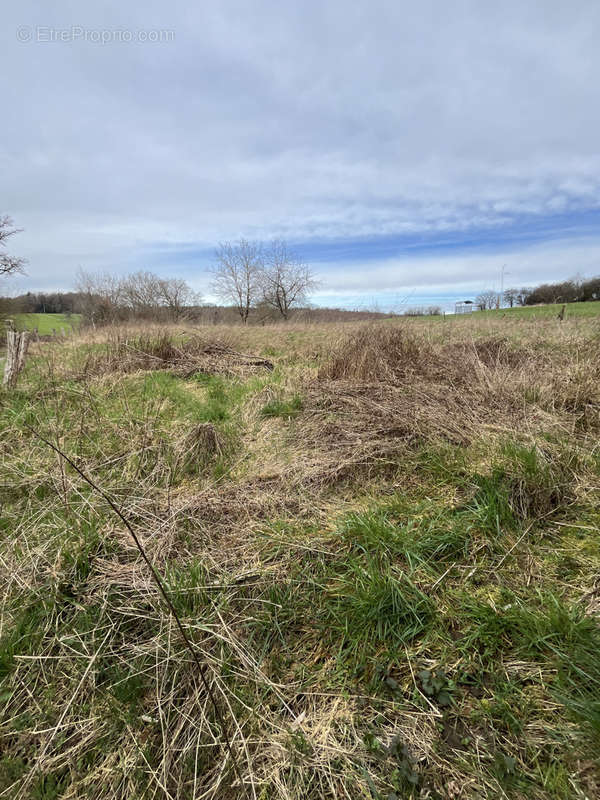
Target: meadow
{"points": [[381, 539], [47, 324], [546, 311]]}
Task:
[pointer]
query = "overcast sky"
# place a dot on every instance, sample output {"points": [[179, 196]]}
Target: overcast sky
{"points": [[408, 150]]}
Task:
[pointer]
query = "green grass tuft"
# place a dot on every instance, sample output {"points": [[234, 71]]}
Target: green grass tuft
{"points": [[372, 606], [287, 409]]}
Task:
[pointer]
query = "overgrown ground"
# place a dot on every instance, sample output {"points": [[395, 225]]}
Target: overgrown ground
{"points": [[382, 540]]}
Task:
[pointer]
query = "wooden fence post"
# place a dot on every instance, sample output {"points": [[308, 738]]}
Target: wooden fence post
{"points": [[16, 350]]}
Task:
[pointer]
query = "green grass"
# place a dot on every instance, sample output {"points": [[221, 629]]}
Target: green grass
{"points": [[48, 324], [287, 409], [588, 309], [392, 635], [373, 606], [550, 311]]}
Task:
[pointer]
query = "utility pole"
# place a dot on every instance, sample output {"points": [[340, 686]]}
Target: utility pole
{"points": [[501, 296]]}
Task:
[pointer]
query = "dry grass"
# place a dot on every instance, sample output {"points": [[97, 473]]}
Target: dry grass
{"points": [[403, 469], [388, 388], [162, 349]]}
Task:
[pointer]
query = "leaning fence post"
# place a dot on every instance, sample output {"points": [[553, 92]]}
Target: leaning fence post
{"points": [[16, 350]]}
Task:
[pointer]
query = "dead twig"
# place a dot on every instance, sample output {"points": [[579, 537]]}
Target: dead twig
{"points": [[161, 587]]}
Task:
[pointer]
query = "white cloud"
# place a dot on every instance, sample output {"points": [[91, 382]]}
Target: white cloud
{"points": [[458, 274], [310, 120]]}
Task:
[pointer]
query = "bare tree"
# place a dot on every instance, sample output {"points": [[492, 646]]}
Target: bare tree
{"points": [[510, 297], [422, 311], [177, 297], [286, 281], [237, 275], [487, 300], [523, 296], [9, 264], [148, 295], [141, 293], [100, 294], [105, 297]]}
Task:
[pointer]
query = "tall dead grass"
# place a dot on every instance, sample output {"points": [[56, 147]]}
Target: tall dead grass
{"points": [[369, 394], [163, 349], [388, 388]]}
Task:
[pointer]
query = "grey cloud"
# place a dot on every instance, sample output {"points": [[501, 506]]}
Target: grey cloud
{"points": [[311, 120]]}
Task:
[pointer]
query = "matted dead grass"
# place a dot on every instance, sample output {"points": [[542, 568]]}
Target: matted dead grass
{"points": [[385, 389], [163, 350], [371, 395]]}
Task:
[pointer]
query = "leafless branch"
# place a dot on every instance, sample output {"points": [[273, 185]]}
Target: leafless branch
{"points": [[9, 264]]}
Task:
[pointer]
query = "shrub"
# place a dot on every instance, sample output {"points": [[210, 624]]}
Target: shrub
{"points": [[377, 353]]}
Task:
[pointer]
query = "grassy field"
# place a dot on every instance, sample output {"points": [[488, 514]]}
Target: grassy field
{"points": [[525, 313], [47, 324], [550, 311], [382, 540]]}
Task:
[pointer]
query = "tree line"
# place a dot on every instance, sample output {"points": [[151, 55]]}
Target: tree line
{"points": [[265, 281], [104, 298], [254, 280], [570, 291]]}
